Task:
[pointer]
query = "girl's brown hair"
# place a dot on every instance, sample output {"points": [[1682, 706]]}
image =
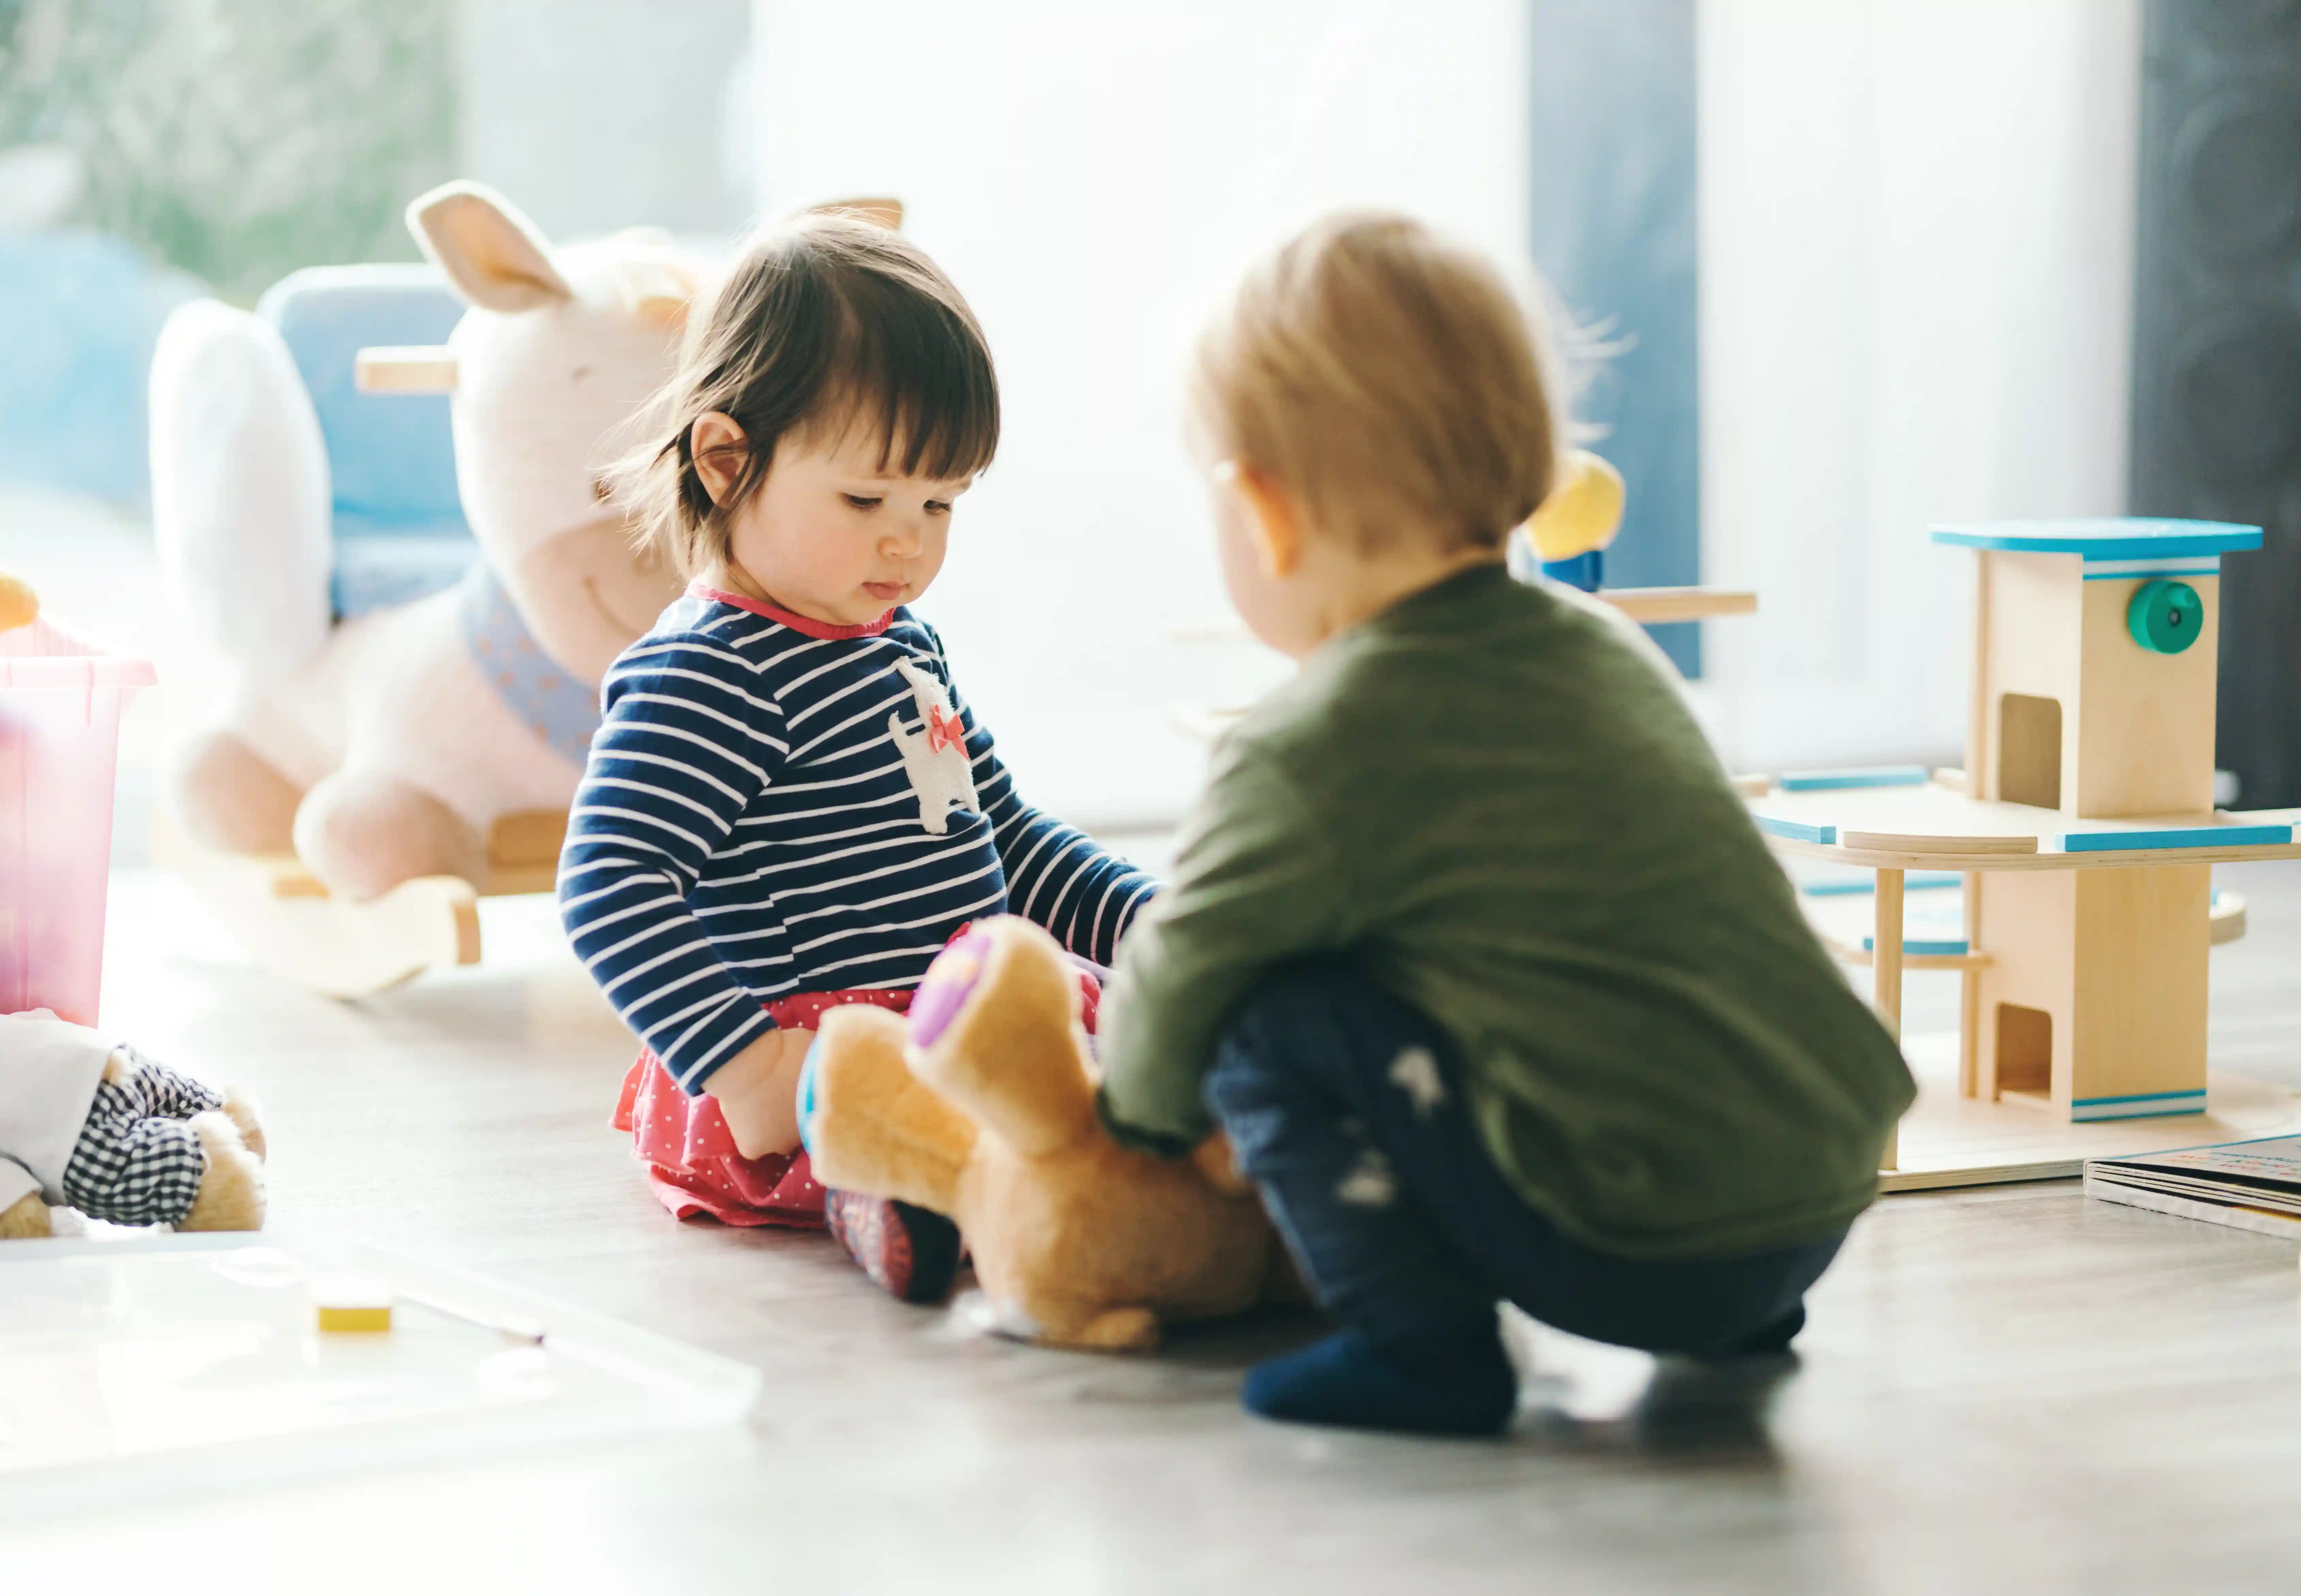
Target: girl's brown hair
{"points": [[830, 324]]}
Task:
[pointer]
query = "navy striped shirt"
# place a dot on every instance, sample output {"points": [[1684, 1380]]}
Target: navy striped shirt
{"points": [[775, 806]]}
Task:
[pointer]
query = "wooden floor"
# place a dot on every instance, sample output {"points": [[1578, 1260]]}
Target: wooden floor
{"points": [[2009, 1390]]}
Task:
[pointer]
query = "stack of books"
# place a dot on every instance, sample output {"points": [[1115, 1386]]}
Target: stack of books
{"points": [[2253, 1185]]}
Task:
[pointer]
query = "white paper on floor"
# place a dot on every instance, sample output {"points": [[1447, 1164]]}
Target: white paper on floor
{"points": [[163, 1362]]}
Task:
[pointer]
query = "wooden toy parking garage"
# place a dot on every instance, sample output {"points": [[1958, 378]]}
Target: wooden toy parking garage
{"points": [[2085, 829]]}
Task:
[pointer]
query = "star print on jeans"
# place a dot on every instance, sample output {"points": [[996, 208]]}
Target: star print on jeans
{"points": [[1369, 1184], [1415, 1072]]}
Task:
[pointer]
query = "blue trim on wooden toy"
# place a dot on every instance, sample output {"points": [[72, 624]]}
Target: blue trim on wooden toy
{"points": [[2139, 1104], [1881, 775], [2106, 571], [2127, 539], [1920, 945], [1796, 830], [2103, 842]]}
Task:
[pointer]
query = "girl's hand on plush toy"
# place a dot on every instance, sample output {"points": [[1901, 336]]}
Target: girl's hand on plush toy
{"points": [[757, 1091]]}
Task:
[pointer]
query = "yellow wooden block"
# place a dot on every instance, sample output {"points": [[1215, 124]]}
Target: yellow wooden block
{"points": [[350, 1303]]}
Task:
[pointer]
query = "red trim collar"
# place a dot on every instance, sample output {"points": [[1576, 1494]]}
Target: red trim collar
{"points": [[796, 622]]}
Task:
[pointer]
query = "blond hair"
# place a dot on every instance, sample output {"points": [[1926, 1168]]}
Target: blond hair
{"points": [[1390, 380], [828, 325]]}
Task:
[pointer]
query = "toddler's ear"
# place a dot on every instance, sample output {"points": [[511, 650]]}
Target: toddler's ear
{"points": [[1271, 520], [716, 443]]}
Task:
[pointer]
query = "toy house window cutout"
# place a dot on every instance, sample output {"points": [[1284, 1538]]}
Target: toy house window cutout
{"points": [[2025, 1049], [2029, 750]]}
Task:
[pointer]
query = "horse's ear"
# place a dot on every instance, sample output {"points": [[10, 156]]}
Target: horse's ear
{"points": [[492, 253]]}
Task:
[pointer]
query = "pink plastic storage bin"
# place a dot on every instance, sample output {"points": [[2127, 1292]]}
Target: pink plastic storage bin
{"points": [[60, 701]]}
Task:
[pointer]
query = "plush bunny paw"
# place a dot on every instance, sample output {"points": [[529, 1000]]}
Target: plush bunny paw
{"points": [[231, 1194], [1118, 1330], [241, 1109], [26, 1219]]}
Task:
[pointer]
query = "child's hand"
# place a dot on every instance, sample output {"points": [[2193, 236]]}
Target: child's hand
{"points": [[1219, 1165], [759, 1089]]}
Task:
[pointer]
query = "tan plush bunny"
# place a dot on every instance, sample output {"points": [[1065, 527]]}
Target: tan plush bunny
{"points": [[979, 1105]]}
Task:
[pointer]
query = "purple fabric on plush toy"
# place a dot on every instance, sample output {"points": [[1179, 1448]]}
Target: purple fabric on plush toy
{"points": [[949, 980]]}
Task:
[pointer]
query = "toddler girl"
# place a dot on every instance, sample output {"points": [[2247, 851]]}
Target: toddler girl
{"points": [[788, 807]]}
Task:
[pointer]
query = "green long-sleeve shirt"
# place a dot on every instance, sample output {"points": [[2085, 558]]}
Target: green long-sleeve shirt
{"points": [[1491, 799]]}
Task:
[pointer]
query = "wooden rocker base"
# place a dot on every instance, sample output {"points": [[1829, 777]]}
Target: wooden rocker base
{"points": [[292, 926], [1948, 1141]]}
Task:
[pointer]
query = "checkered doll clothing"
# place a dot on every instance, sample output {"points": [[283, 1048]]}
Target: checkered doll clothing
{"points": [[137, 1161], [115, 1150]]}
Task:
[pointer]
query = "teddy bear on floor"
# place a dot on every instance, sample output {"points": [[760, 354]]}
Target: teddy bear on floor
{"points": [[979, 1105], [99, 1127]]}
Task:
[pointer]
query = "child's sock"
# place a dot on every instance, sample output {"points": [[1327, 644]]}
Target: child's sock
{"points": [[912, 1253], [1458, 1383], [1775, 1338]]}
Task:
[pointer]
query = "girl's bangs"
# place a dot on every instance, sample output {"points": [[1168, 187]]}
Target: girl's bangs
{"points": [[922, 385]]}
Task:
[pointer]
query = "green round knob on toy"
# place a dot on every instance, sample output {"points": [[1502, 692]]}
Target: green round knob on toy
{"points": [[2165, 617]]}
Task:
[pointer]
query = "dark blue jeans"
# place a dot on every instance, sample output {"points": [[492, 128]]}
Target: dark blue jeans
{"points": [[1346, 1108]]}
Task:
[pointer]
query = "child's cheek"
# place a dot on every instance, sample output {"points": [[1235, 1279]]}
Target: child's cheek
{"points": [[937, 547], [1241, 568]]}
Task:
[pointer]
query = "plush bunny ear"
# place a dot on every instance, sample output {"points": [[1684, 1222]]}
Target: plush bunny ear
{"points": [[491, 253], [887, 213], [659, 290]]}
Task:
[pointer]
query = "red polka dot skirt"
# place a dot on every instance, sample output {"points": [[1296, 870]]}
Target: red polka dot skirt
{"points": [[691, 1163]]}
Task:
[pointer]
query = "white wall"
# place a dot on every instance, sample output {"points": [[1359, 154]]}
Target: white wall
{"points": [[1917, 241], [1092, 176], [597, 114], [1916, 237]]}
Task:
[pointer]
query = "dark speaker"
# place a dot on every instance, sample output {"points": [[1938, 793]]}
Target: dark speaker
{"points": [[2217, 343]]}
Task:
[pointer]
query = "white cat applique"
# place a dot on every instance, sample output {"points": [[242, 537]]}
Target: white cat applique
{"points": [[935, 757]]}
